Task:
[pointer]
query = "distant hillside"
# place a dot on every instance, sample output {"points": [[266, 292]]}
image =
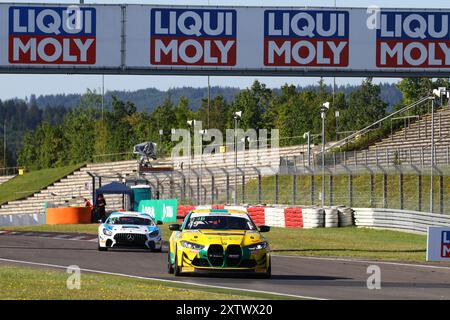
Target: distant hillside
{"points": [[149, 99]]}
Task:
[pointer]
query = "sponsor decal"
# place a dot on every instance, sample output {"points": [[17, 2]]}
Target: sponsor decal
{"points": [[52, 35], [445, 244], [306, 38], [200, 37], [413, 40]]}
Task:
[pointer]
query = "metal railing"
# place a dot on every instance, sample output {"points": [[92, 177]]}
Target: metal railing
{"points": [[377, 186], [364, 130]]}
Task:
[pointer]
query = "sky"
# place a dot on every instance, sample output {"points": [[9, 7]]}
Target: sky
{"points": [[21, 86]]}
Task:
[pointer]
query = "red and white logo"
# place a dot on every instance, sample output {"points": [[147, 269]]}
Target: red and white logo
{"points": [[52, 35]]}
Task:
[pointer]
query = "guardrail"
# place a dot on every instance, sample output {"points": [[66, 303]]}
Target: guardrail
{"points": [[399, 219], [8, 220]]}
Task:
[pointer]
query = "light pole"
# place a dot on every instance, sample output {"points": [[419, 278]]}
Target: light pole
{"points": [[323, 109], [161, 132], [103, 93], [236, 115], [190, 123], [438, 93], [4, 144], [202, 133], [336, 116], [307, 136]]}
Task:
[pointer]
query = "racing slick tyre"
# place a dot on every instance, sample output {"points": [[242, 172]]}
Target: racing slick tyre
{"points": [[157, 250], [176, 268], [169, 265], [268, 273]]}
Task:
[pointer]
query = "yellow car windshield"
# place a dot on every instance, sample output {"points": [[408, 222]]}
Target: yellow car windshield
{"points": [[220, 223]]}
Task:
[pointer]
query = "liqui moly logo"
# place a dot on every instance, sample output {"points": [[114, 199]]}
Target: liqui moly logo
{"points": [[306, 38], [413, 40], [445, 244], [52, 35], [193, 37]]}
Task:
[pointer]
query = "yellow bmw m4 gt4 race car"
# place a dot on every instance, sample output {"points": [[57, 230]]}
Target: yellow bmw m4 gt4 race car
{"points": [[218, 241]]}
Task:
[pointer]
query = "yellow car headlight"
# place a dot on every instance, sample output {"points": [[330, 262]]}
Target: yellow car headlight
{"points": [[257, 246], [191, 245]]}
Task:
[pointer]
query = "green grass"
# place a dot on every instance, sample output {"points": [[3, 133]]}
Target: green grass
{"points": [[349, 242], [361, 191], [23, 186], [38, 283]]}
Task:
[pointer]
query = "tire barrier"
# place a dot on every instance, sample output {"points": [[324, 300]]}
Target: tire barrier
{"points": [[286, 217], [345, 215], [182, 211], [293, 217], [412, 221], [257, 214], [274, 217], [331, 217], [313, 217]]}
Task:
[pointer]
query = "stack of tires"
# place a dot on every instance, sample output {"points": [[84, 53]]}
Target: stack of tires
{"points": [[313, 217], [274, 217], [331, 217], [345, 215], [257, 215], [183, 211], [293, 218]]}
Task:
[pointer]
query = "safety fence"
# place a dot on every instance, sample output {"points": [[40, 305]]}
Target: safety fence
{"points": [[403, 187]]}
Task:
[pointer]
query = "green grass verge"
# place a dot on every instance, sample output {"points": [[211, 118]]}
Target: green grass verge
{"points": [[348, 242], [23, 186], [39, 283]]}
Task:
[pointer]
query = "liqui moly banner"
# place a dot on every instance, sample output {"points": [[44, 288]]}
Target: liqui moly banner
{"points": [[193, 37], [202, 40], [306, 38], [413, 40], [46, 35], [42, 36]]}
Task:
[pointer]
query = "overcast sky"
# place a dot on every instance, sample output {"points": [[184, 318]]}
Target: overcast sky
{"points": [[23, 85]]}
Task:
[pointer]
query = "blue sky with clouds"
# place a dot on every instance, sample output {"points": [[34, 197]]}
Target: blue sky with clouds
{"points": [[23, 85]]}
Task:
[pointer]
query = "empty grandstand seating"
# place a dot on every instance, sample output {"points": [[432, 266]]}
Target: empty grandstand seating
{"points": [[3, 179], [410, 145]]}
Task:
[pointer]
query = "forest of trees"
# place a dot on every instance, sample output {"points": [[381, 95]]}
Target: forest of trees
{"points": [[50, 136]]}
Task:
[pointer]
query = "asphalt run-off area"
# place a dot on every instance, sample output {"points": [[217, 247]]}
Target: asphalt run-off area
{"points": [[303, 277]]}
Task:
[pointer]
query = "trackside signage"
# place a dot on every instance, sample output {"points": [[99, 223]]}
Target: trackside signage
{"points": [[193, 37], [306, 38], [224, 40], [438, 244], [414, 40], [56, 35]]}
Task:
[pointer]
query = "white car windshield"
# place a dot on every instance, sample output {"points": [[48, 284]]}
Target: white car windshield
{"points": [[220, 223], [130, 220]]}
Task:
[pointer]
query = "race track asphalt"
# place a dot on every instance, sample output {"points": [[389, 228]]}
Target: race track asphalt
{"points": [[300, 276]]}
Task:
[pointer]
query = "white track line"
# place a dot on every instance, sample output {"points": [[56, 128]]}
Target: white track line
{"points": [[366, 261], [162, 280]]}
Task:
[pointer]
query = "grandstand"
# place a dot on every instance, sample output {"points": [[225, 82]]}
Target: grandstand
{"points": [[212, 178]]}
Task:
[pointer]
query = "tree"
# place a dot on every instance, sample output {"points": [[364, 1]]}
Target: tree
{"points": [[253, 103], [364, 107]]}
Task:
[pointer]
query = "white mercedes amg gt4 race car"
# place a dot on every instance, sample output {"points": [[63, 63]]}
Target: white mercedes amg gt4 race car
{"points": [[131, 230]]}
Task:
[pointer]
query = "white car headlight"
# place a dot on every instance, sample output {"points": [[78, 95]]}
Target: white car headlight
{"points": [[107, 232], [191, 245], [257, 246], [153, 234]]}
